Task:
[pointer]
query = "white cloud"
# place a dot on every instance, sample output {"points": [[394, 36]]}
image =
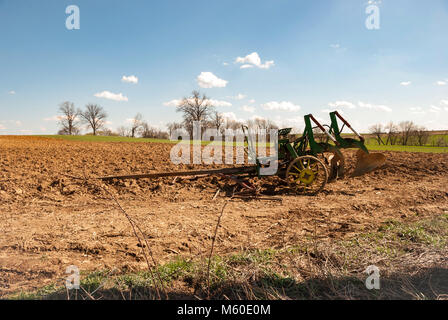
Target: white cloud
{"points": [[246, 66], [291, 122], [281, 106], [441, 83], [225, 63], [342, 104], [130, 79], [220, 103], [111, 96], [374, 107], [252, 60], [216, 103], [349, 105], [249, 109], [405, 83], [239, 96], [256, 117], [252, 101], [435, 109], [18, 123], [172, 103], [231, 116], [209, 80], [12, 92], [417, 110], [2, 127], [53, 118], [328, 111], [335, 46]]}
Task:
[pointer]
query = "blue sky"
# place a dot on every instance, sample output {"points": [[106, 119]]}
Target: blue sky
{"points": [[277, 59]]}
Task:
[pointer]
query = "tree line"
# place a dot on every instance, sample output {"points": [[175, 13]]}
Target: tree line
{"points": [[195, 108], [405, 133], [199, 108], [94, 118]]}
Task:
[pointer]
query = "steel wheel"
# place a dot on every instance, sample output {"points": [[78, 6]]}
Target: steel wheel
{"points": [[307, 175]]}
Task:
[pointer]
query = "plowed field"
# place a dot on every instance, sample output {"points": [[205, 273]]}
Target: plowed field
{"points": [[49, 220]]}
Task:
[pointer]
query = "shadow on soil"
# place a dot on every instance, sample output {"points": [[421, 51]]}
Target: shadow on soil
{"points": [[429, 284]]}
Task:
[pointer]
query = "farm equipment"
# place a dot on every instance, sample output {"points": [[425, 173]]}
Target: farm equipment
{"points": [[305, 164], [366, 162]]}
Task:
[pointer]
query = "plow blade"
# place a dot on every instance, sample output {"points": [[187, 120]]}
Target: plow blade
{"points": [[366, 162]]}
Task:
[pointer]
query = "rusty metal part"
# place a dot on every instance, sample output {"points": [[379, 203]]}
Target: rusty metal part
{"points": [[237, 170], [366, 163]]}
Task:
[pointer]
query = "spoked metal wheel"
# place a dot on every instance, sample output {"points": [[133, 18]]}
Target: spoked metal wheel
{"points": [[307, 175]]}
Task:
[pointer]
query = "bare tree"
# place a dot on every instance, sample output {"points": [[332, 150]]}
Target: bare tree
{"points": [[123, 131], [392, 133], [68, 121], [172, 126], [64, 132], [217, 121], [406, 130], [151, 132], [195, 108], [94, 117], [377, 131], [422, 136], [233, 124], [263, 124], [136, 124]]}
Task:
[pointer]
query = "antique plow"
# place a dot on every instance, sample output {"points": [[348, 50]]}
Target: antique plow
{"points": [[303, 163]]}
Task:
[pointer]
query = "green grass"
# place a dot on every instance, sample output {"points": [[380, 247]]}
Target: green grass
{"points": [[91, 138], [425, 149], [273, 273], [371, 143]]}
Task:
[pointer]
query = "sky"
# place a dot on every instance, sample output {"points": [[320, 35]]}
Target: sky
{"points": [[271, 59]]}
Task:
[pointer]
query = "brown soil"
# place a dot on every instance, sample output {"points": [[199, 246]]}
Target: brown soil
{"points": [[50, 221]]}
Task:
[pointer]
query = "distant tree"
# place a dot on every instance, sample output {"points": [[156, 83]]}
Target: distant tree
{"points": [[94, 117], [422, 136], [377, 131], [172, 126], [64, 132], [68, 121], [392, 133], [233, 124], [195, 108], [263, 124], [319, 135], [107, 132], [136, 124], [151, 132], [217, 121], [123, 131], [406, 129]]}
